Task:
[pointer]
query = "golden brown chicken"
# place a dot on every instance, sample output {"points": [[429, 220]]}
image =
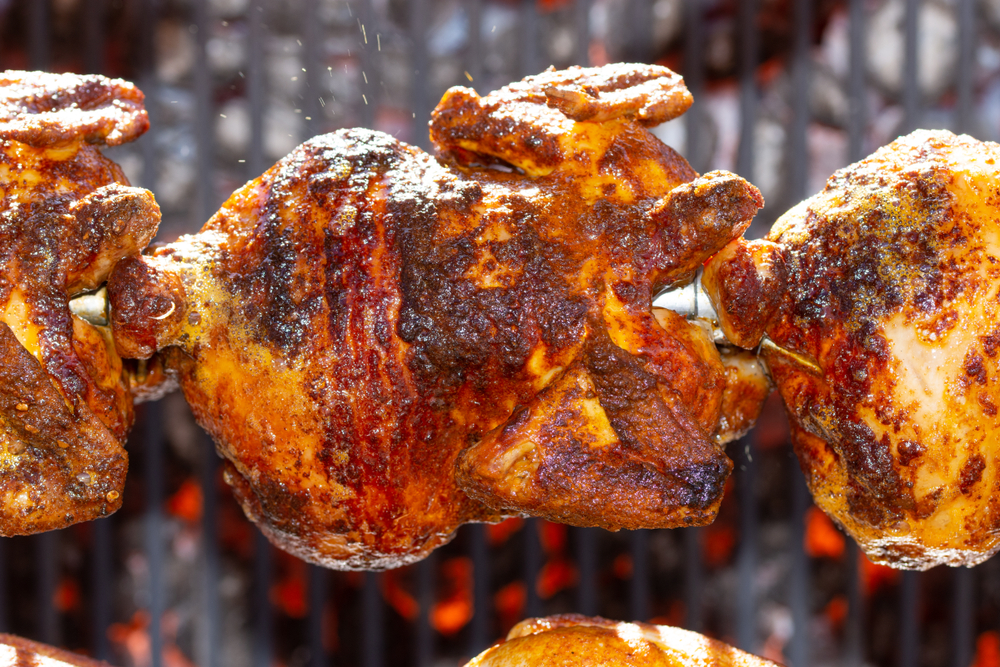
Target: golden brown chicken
{"points": [[385, 345], [66, 216], [19, 652], [879, 299], [571, 640]]}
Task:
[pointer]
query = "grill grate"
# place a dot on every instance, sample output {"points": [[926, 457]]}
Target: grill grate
{"points": [[346, 620]]}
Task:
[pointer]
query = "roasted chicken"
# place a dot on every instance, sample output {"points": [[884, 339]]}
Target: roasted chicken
{"points": [[571, 640], [19, 652], [878, 298], [67, 215], [386, 344]]}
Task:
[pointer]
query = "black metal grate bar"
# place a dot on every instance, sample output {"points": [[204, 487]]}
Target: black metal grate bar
{"points": [[694, 78], [152, 439], [909, 610], [639, 585], [586, 562], [749, 49], [854, 648], [312, 45], [38, 36], [963, 619], [482, 626], [372, 618], [530, 61], [581, 18], [263, 636], [746, 558], [102, 576], [532, 566], [212, 574], [47, 553], [369, 68], [419, 99], [93, 36], [425, 597], [967, 40], [911, 64], [318, 586]]}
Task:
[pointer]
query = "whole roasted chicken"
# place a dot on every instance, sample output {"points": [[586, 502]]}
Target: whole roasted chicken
{"points": [[572, 640], [386, 344], [879, 301], [67, 215]]}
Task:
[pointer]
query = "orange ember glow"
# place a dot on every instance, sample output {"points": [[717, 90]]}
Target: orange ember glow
{"points": [[509, 602], [450, 615], [553, 536], [718, 543], [621, 566], [836, 610], [397, 597], [499, 533], [186, 502], [555, 576], [67, 595], [875, 576], [987, 650], [822, 540], [289, 596]]}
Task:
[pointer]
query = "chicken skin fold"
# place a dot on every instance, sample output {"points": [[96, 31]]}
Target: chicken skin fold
{"points": [[878, 298], [67, 214], [572, 640], [385, 344]]}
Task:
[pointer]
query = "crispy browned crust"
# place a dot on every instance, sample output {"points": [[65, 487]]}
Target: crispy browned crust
{"points": [[352, 320], [58, 467], [19, 652], [68, 215], [884, 348], [43, 109], [573, 640]]}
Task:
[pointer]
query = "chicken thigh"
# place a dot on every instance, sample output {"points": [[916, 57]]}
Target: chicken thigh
{"points": [[67, 215], [879, 301], [385, 344]]}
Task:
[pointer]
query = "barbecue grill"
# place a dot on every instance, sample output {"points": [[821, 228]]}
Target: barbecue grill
{"points": [[785, 91]]}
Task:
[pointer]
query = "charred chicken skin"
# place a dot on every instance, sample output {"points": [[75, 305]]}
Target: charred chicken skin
{"points": [[67, 215], [386, 344], [572, 640], [879, 301]]}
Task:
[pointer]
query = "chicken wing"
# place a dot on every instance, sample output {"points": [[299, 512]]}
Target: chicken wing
{"points": [[879, 301], [378, 339], [66, 216], [572, 640]]}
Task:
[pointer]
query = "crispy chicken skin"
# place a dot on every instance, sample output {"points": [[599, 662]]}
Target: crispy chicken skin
{"points": [[19, 652], [66, 216], [884, 344], [385, 345], [572, 640]]}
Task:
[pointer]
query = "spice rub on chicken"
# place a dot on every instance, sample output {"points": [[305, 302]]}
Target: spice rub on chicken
{"points": [[879, 301], [67, 214], [386, 344]]}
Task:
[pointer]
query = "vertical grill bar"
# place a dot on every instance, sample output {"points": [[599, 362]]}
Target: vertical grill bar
{"points": [[372, 615], [103, 580], [963, 630], [317, 603], [799, 162], [694, 579], [640, 47], [532, 566], [854, 648], [421, 63], [152, 438], [586, 561], [909, 631], [263, 640], [639, 593], [967, 39], [746, 598], [93, 36], [694, 74], [475, 43], [38, 34], [209, 529], [748, 49], [911, 79], [209, 629], [312, 42], [529, 38], [581, 16], [47, 546], [425, 597], [481, 573], [4, 596], [369, 79]]}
